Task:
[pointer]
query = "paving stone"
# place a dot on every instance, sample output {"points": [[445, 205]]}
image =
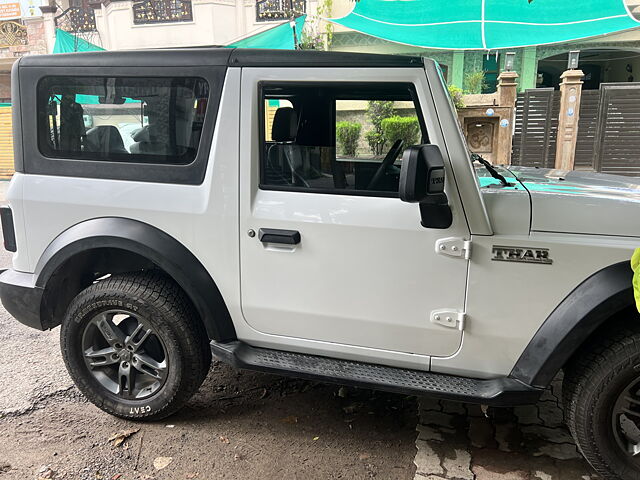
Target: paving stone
{"points": [[483, 474], [436, 418], [564, 451], [542, 476], [427, 432], [460, 466], [427, 460], [551, 414], [553, 435], [548, 396], [527, 415]]}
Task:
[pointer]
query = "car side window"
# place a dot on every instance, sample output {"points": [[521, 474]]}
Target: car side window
{"points": [[338, 138], [125, 119]]}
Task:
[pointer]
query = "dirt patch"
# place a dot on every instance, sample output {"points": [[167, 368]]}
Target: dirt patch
{"points": [[240, 425]]}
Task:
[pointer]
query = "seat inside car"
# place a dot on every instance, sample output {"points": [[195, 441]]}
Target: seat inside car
{"points": [[284, 158], [105, 139]]}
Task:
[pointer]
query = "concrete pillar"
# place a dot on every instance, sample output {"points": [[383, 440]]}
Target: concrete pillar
{"points": [[570, 95], [48, 15], [507, 96], [456, 74]]}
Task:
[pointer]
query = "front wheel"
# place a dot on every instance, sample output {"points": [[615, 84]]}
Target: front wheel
{"points": [[601, 395], [134, 347]]}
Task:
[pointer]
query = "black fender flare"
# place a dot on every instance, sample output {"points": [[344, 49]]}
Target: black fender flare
{"points": [[156, 246], [602, 295]]}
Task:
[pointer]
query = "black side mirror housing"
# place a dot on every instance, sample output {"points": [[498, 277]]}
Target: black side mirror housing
{"points": [[422, 180]]}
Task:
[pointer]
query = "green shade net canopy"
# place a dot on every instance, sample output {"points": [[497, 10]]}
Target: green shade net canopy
{"points": [[487, 24], [279, 37], [68, 43]]}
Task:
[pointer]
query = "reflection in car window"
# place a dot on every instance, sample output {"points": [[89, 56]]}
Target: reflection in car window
{"points": [[338, 139]]}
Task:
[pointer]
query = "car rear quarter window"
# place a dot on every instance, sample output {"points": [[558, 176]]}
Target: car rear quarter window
{"points": [[122, 119]]}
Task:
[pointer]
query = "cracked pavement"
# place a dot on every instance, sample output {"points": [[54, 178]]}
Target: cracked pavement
{"points": [[461, 442]]}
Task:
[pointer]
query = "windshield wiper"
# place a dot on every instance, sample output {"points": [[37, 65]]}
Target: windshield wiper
{"points": [[490, 168]]}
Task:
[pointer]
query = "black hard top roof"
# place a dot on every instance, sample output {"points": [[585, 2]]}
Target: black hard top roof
{"points": [[218, 56]]}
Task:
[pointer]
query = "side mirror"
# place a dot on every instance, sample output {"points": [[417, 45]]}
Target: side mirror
{"points": [[422, 180], [422, 174]]}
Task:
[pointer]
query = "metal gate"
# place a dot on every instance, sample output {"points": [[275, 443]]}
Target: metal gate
{"points": [[536, 128], [608, 130]]}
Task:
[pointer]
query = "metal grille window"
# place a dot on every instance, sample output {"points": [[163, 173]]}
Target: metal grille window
{"points": [[78, 18], [268, 10], [162, 11]]}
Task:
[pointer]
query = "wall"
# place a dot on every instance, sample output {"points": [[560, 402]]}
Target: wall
{"points": [[215, 22]]}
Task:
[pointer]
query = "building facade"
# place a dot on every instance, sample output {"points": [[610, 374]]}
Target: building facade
{"points": [[605, 59]]}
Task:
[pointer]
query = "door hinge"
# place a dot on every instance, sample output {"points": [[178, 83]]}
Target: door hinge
{"points": [[449, 318], [454, 247]]}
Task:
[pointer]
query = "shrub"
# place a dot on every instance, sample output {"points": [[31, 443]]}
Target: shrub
{"points": [[377, 111], [347, 135], [475, 82], [376, 141], [457, 96], [401, 128]]}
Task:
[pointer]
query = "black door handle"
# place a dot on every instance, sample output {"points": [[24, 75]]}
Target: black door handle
{"points": [[275, 235]]}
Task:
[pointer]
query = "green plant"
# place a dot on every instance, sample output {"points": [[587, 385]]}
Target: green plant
{"points": [[376, 141], [475, 82], [401, 128], [325, 10], [310, 41], [457, 96], [377, 111], [348, 135]]}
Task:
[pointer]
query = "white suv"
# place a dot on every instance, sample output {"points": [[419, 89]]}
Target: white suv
{"points": [[231, 224]]}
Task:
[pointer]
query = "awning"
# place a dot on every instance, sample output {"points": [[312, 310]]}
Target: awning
{"points": [[68, 43], [487, 24], [279, 37]]}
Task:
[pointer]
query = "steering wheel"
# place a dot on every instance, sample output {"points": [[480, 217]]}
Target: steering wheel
{"points": [[389, 160]]}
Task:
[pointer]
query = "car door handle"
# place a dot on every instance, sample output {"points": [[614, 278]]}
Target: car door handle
{"points": [[275, 235]]}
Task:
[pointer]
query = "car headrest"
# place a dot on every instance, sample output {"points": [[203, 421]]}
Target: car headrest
{"points": [[142, 135], [105, 137], [285, 125]]}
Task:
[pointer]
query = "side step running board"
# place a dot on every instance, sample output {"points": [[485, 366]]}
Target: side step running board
{"points": [[498, 392]]}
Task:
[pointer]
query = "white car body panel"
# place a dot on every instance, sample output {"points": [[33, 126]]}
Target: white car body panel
{"points": [[374, 266], [360, 277], [582, 202]]}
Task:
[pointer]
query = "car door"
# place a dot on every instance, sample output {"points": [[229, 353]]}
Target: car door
{"points": [[325, 254]]}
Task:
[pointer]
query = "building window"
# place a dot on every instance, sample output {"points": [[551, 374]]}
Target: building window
{"points": [[162, 11], [268, 10]]}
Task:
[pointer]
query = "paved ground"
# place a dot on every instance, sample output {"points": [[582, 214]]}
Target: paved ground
{"points": [[244, 425]]}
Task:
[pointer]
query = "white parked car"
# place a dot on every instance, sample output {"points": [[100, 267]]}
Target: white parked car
{"points": [[231, 226]]}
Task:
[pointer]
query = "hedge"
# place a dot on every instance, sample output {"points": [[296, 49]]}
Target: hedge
{"points": [[348, 135], [401, 128]]}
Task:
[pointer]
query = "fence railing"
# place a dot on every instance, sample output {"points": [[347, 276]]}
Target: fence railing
{"points": [[162, 11], [269, 10], [13, 33], [76, 19]]}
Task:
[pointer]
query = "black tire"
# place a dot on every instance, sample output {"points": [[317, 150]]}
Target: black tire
{"points": [[171, 333], [594, 383]]}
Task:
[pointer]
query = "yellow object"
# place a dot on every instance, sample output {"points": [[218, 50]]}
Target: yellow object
{"points": [[6, 144], [635, 265]]}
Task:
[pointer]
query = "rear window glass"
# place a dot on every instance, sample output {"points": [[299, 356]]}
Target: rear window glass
{"points": [[122, 119]]}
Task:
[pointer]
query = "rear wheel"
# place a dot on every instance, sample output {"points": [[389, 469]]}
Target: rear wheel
{"points": [[134, 346], [601, 393]]}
